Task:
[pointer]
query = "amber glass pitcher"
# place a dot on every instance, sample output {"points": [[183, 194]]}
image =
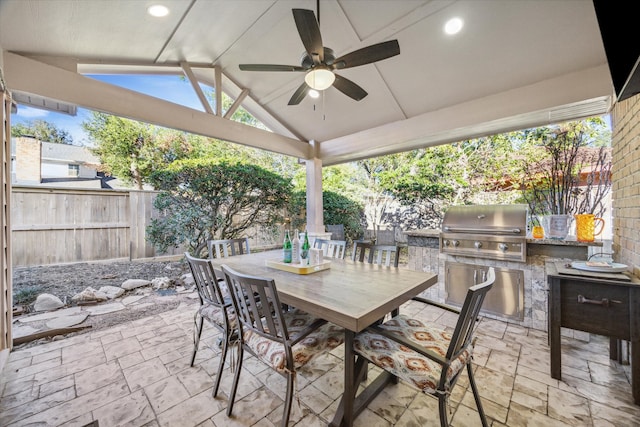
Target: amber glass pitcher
{"points": [[586, 227]]}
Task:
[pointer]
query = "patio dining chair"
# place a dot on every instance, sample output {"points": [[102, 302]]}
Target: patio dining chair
{"points": [[331, 248], [336, 230], [228, 247], [284, 340], [216, 307], [424, 355], [387, 255]]}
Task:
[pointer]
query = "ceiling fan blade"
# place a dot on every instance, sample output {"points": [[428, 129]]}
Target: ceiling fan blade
{"points": [[367, 55], [349, 88], [270, 67], [299, 94], [309, 34]]}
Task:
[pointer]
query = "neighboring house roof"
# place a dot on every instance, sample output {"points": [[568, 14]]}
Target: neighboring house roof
{"points": [[63, 152]]}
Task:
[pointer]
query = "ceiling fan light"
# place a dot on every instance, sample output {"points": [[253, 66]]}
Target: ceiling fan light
{"points": [[158, 10], [319, 79], [453, 26], [314, 93]]}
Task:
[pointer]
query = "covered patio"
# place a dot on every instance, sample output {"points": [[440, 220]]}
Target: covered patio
{"points": [[515, 65], [138, 373]]}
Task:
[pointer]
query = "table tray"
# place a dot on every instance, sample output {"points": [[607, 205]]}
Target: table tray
{"points": [[297, 268]]}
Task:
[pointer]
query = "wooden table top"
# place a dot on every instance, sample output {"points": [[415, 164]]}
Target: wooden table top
{"points": [[350, 294]]}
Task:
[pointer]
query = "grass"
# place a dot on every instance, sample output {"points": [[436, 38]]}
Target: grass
{"points": [[26, 295]]}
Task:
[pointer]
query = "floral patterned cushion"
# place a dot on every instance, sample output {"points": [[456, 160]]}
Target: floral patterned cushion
{"points": [[325, 338], [214, 315], [405, 363]]}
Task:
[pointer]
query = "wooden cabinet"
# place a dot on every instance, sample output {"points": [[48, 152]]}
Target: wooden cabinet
{"points": [[598, 305]]}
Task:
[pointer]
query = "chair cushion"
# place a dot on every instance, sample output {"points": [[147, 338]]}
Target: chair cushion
{"points": [[325, 338], [405, 363], [214, 315]]}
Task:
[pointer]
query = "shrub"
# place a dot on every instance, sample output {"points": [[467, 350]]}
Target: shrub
{"points": [[203, 199]]}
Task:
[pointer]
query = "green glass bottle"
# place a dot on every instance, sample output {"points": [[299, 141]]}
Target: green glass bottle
{"points": [[286, 247], [304, 250]]}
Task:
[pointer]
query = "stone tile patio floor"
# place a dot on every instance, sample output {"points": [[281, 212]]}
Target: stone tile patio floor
{"points": [[138, 374]]}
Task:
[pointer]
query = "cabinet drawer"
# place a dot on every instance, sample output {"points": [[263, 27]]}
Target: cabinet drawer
{"points": [[596, 308]]}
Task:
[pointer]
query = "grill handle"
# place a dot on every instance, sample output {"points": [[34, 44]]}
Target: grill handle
{"points": [[481, 230]]}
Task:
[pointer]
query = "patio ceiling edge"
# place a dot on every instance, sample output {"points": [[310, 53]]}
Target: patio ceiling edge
{"points": [[32, 76], [569, 97]]}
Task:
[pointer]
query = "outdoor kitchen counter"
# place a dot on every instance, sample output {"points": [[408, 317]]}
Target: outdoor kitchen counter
{"points": [[560, 248], [424, 255], [430, 238]]}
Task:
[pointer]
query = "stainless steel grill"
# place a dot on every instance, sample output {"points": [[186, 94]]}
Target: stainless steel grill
{"points": [[485, 231], [496, 232]]}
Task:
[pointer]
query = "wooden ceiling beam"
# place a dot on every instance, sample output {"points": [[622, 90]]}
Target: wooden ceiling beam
{"points": [[30, 76]]}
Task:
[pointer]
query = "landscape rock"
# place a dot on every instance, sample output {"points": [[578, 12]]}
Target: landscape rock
{"points": [[105, 308], [18, 331], [47, 302], [187, 279], [111, 291], [90, 294], [161, 283], [50, 315], [66, 321], [135, 283], [132, 299]]}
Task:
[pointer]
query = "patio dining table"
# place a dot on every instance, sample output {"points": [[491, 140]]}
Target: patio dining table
{"points": [[350, 294]]}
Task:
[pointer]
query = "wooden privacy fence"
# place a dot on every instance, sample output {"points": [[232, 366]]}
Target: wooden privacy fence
{"points": [[54, 226], [59, 226]]}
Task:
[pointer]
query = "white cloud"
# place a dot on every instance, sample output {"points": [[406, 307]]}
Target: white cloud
{"points": [[31, 113]]}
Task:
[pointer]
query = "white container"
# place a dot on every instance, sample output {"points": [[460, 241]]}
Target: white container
{"points": [[295, 248], [315, 256]]}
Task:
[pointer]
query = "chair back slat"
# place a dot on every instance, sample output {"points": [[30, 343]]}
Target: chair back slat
{"points": [[228, 247], [386, 255], [336, 249], [321, 244], [331, 248], [463, 333], [359, 250], [205, 279], [257, 304]]}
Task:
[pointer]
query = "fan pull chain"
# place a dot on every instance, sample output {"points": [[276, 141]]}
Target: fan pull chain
{"points": [[324, 118]]}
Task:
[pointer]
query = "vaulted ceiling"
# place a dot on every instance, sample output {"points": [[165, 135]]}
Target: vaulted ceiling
{"points": [[515, 64]]}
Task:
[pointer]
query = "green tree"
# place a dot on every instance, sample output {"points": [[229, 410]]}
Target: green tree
{"points": [[203, 199], [132, 150], [125, 147], [566, 168], [42, 131]]}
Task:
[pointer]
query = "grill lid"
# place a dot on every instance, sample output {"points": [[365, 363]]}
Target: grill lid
{"points": [[486, 219]]}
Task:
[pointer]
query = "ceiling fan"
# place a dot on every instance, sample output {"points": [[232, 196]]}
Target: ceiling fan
{"points": [[319, 62]]}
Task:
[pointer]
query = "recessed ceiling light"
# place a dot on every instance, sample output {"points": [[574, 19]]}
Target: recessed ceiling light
{"points": [[313, 93], [158, 10], [453, 26]]}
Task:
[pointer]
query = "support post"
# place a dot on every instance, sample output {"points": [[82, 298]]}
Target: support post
{"points": [[315, 221]]}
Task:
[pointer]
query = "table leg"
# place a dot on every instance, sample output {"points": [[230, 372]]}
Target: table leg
{"points": [[615, 347], [344, 414], [554, 329], [635, 371]]}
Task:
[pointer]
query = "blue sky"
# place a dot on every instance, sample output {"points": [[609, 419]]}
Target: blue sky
{"points": [[170, 88]]}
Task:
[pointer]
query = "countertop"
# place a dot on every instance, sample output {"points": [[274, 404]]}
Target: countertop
{"points": [[435, 233]]}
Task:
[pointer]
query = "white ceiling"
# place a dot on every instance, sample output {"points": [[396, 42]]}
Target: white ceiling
{"points": [[516, 63]]}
